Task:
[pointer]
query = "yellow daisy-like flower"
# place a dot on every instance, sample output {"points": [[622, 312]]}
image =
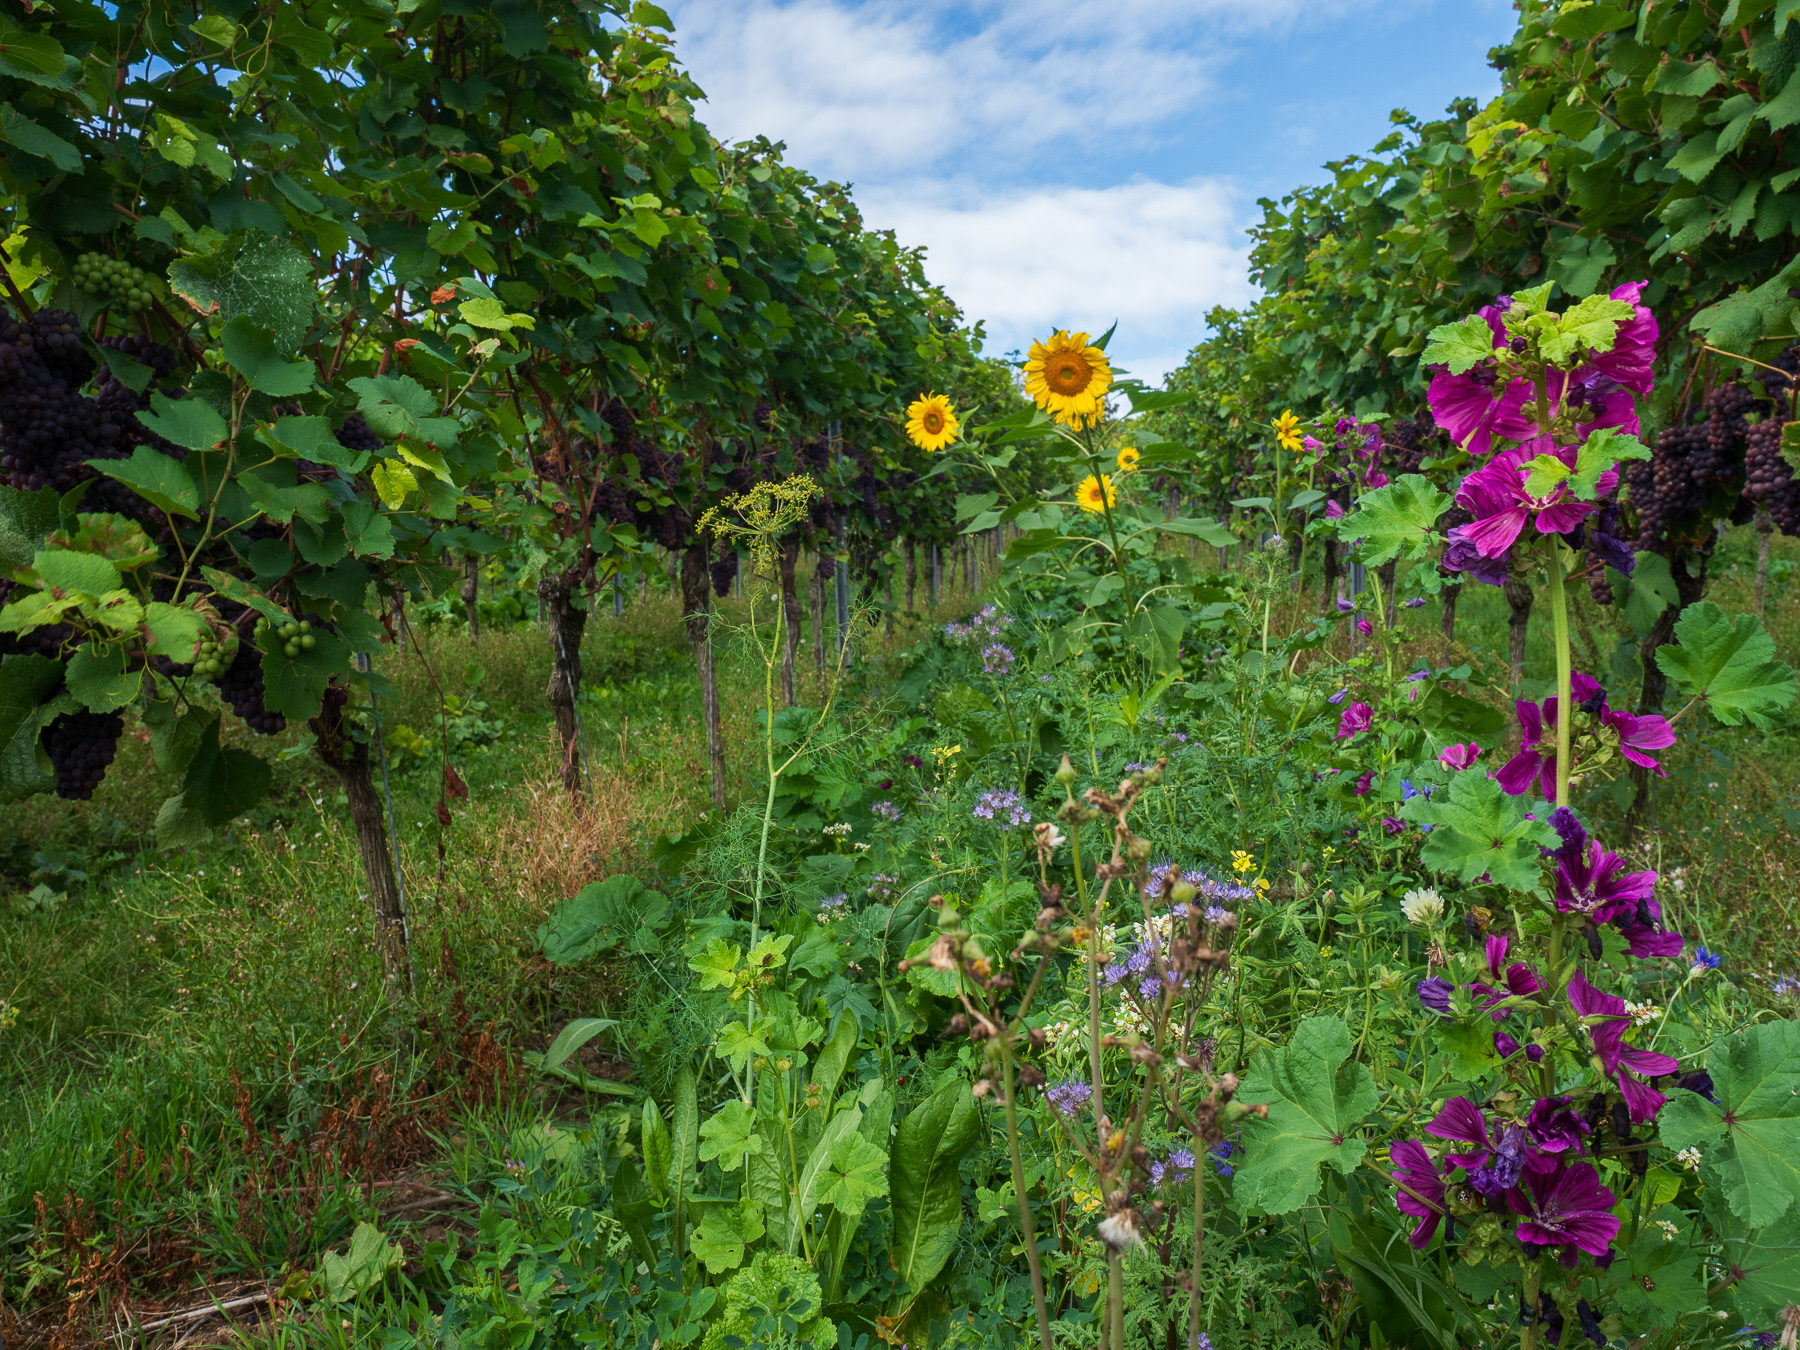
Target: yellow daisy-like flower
{"points": [[1068, 379], [1241, 861], [1128, 459], [1287, 431], [1097, 494], [930, 422]]}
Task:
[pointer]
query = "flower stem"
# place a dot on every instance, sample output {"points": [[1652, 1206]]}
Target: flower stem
{"points": [[1018, 1179], [1200, 1155], [1528, 1297], [1559, 616]]}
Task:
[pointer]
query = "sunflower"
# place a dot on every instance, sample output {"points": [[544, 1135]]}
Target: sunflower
{"points": [[1068, 379], [1128, 459], [930, 422], [1287, 431], [1097, 494]]}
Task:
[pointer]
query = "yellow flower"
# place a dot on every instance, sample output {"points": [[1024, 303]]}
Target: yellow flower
{"points": [[930, 422], [1287, 431], [1097, 494], [1241, 861], [1068, 379], [1128, 459]]}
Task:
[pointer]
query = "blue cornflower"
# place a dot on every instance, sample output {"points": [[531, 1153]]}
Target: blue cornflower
{"points": [[1704, 961]]}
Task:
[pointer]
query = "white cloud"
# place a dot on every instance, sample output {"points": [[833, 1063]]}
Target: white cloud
{"points": [[1153, 256], [857, 90]]}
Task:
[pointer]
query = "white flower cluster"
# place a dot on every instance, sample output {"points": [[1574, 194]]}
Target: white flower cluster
{"points": [[1689, 1158], [1423, 907], [1642, 1014], [838, 831]]}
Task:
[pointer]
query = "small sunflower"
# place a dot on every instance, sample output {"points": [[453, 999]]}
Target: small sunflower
{"points": [[1097, 494], [1068, 379], [1128, 459], [930, 422], [1287, 431]]}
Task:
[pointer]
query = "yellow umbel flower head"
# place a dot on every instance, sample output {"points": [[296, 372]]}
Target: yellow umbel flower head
{"points": [[1128, 459], [930, 422], [1097, 494], [763, 514], [1287, 431], [1068, 379]]}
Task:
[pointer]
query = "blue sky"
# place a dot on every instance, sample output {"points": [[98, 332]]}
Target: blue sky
{"points": [[1068, 164]]}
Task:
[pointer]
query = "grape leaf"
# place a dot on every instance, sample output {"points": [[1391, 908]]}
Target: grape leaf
{"points": [[1460, 345], [24, 681], [1400, 517], [1316, 1095], [190, 423], [1752, 1138], [101, 678], [398, 406], [261, 278], [25, 518], [65, 570], [250, 349], [295, 685], [1730, 664], [163, 482], [1477, 830], [311, 438], [222, 782]]}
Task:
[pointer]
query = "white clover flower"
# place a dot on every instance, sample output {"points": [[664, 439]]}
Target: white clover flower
{"points": [[1642, 1014], [1423, 906]]}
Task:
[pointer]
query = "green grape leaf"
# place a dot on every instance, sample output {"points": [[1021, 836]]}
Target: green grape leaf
{"points": [[223, 782], [311, 438], [1477, 830], [295, 685], [1728, 663], [729, 1135], [1599, 453], [1460, 345], [33, 139], [25, 681], [1316, 1095], [163, 482], [1752, 1138], [25, 519], [397, 406], [855, 1173], [190, 423], [254, 275], [364, 1265], [1397, 519], [101, 678], [75, 573], [250, 350]]}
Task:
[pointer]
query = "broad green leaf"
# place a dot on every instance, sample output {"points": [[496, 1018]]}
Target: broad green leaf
{"points": [[1316, 1095], [571, 1038], [180, 824], [684, 1134], [1397, 519], [835, 1056], [397, 406], [725, 1234], [222, 782], [1460, 345], [70, 572], [1543, 474], [1477, 830], [36, 53], [25, 518], [394, 483], [1659, 1276], [653, 1137], [369, 533], [259, 277], [33, 139], [1599, 453], [814, 1175], [855, 1174], [294, 686], [1652, 591], [190, 423], [1752, 1137], [101, 678], [617, 912], [716, 965], [925, 1183], [1206, 531], [1762, 1263], [1730, 663], [729, 1135], [739, 1042], [163, 482], [311, 438], [250, 350], [1591, 325], [633, 1207], [25, 681], [173, 739], [363, 1266]]}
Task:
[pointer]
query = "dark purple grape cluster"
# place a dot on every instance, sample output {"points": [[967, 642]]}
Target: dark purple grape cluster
{"points": [[357, 434], [45, 641], [723, 569], [242, 687], [47, 427], [1693, 470], [1768, 479], [81, 746], [1408, 444]]}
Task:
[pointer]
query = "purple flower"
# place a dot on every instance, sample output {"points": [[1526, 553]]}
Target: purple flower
{"points": [[886, 810], [1554, 1127], [1421, 1192], [1363, 784], [1476, 406], [1458, 757], [1345, 606], [1434, 993], [1003, 807], [1537, 752], [1333, 511], [1497, 495], [1219, 1152], [1632, 360], [1364, 627], [1506, 1047], [1460, 555], [1338, 697], [1413, 603], [1570, 1207], [1068, 1098], [1354, 720], [1518, 979], [1592, 881], [1619, 1059], [997, 658], [1638, 734], [1393, 824]]}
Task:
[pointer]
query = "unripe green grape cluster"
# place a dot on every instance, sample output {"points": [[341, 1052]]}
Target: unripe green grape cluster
{"points": [[294, 637], [120, 282], [211, 660]]}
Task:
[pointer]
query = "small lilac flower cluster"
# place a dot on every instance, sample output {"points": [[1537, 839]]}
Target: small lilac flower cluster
{"points": [[986, 625], [834, 907], [1218, 892], [883, 885], [997, 659], [886, 811], [1174, 1169], [1067, 1098], [1003, 807]]}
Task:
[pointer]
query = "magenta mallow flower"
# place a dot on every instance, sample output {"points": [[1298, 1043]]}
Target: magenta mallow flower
{"points": [[1364, 627], [1567, 1208], [1459, 757], [1364, 783], [1496, 496], [1632, 360], [1592, 880], [1537, 752], [1639, 733], [1516, 980], [1355, 719], [1478, 405], [1607, 1031], [1421, 1191], [1333, 511]]}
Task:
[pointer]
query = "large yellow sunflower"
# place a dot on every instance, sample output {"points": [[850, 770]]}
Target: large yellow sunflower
{"points": [[1287, 431], [930, 422], [1128, 459], [1097, 494], [1068, 378]]}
